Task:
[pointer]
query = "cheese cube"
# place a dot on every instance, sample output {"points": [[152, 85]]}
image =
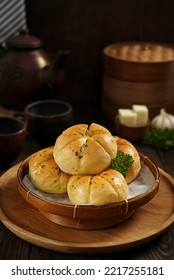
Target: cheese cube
{"points": [[142, 114], [127, 117]]}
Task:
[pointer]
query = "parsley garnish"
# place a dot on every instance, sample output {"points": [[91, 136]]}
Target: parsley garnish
{"points": [[159, 138], [122, 162]]}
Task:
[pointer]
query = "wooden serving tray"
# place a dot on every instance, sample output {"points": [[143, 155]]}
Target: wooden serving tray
{"points": [[148, 222]]}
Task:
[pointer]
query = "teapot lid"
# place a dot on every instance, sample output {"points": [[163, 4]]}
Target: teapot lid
{"points": [[24, 41]]}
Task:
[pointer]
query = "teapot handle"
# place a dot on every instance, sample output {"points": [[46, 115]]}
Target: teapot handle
{"points": [[57, 69], [60, 60]]}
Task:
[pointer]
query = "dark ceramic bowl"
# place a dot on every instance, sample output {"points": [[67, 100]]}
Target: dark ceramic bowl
{"points": [[46, 119], [12, 131]]}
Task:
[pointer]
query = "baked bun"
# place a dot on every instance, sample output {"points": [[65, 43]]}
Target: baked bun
{"points": [[45, 174], [106, 187], [83, 149], [127, 148]]}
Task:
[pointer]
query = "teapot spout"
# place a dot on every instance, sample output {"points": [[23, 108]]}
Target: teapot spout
{"points": [[57, 69]]}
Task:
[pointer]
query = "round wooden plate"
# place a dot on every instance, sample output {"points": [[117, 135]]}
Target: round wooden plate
{"points": [[148, 222]]}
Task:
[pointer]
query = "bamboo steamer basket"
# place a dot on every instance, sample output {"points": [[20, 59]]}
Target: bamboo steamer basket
{"points": [[138, 73], [87, 216]]}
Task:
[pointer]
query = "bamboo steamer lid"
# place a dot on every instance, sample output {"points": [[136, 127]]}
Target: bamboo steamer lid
{"points": [[138, 73]]}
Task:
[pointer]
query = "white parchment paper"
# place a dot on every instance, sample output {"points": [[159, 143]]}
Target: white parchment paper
{"points": [[140, 185]]}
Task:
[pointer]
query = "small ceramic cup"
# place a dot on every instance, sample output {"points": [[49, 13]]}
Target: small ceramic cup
{"points": [[12, 132], [132, 134], [46, 119]]}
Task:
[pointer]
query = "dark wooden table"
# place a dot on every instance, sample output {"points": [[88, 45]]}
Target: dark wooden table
{"points": [[161, 248]]}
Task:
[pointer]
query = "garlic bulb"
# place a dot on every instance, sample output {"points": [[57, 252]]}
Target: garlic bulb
{"points": [[163, 120]]}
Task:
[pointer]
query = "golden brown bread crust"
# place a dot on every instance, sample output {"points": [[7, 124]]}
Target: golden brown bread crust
{"points": [[106, 187], [83, 149], [45, 174], [127, 148]]}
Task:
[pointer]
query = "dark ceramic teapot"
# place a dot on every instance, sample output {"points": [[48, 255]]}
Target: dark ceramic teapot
{"points": [[26, 69]]}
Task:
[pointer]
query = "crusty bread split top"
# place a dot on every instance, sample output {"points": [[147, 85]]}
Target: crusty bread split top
{"points": [[126, 147], [80, 164], [83, 149], [45, 174], [107, 187]]}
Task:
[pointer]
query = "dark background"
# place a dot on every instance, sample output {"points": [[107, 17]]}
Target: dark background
{"points": [[85, 27]]}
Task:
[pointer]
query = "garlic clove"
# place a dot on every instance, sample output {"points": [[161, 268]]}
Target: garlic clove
{"points": [[163, 121]]}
